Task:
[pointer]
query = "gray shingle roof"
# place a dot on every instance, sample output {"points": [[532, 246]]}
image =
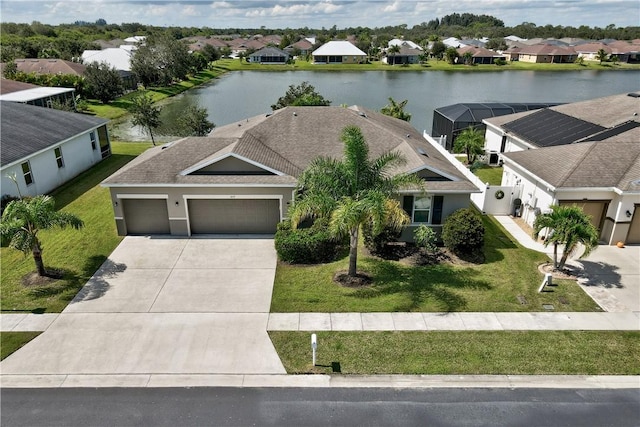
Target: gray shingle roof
{"points": [[287, 140], [27, 129], [584, 165]]}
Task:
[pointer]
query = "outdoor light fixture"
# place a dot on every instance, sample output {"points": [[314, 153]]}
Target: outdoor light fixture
{"points": [[115, 203], [628, 213], [177, 203]]}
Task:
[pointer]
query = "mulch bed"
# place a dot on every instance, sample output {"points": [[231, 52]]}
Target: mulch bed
{"points": [[361, 279], [568, 272], [34, 279]]}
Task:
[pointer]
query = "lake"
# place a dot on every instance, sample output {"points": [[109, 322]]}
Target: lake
{"points": [[241, 94]]}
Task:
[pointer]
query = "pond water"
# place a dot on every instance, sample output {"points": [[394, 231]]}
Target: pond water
{"points": [[242, 94]]}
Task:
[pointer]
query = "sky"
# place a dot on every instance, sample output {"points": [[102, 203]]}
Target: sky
{"points": [[280, 14]]}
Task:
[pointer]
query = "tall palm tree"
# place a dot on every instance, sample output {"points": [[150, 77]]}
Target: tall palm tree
{"points": [[353, 191], [22, 219], [568, 226], [471, 142]]}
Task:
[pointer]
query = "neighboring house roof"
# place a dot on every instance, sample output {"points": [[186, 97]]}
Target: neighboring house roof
{"points": [[585, 165], [472, 42], [116, 57], [622, 47], [407, 43], [269, 51], [303, 44], [477, 111], [479, 52], [406, 51], [592, 48], [34, 93], [10, 86], [338, 47], [572, 122], [547, 49], [27, 129], [452, 42], [49, 66], [515, 38], [284, 143], [135, 39]]}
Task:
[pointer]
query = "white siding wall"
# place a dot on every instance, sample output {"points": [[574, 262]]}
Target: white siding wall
{"points": [[492, 139], [77, 154]]}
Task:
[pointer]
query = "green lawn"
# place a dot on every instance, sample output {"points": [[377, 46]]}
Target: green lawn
{"points": [[509, 273], [12, 341], [462, 353], [77, 253], [490, 174]]}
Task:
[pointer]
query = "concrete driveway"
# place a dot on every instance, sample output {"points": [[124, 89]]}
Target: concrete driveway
{"points": [[163, 305], [611, 275]]}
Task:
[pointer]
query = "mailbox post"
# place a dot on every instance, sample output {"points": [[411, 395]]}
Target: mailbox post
{"points": [[314, 347]]}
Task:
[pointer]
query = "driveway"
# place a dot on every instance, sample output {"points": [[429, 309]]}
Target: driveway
{"points": [[163, 305], [612, 277]]}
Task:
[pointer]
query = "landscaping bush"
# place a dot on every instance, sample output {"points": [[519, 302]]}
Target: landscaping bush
{"points": [[310, 245], [426, 239], [463, 232], [377, 244]]}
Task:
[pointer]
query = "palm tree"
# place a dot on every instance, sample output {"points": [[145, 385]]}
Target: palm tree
{"points": [[395, 49], [568, 226], [471, 142], [353, 191], [601, 55], [22, 219], [396, 109]]}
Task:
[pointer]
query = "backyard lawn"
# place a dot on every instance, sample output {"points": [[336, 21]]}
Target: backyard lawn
{"points": [[507, 281], [489, 174], [78, 253]]}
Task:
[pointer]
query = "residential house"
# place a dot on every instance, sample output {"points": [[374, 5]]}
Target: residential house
{"points": [[339, 52], [241, 178], [547, 53], [49, 66], [406, 55], [625, 51], [242, 46], [589, 51], [269, 55], [26, 93], [552, 156], [44, 148], [402, 42], [303, 46], [118, 58], [453, 42], [480, 55]]}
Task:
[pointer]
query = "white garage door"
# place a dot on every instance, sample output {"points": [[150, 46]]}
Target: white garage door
{"points": [[146, 216], [234, 216]]}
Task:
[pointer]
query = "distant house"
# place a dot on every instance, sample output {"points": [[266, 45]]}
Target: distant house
{"points": [[242, 46], [547, 53], [118, 58], [339, 52], [407, 55], [44, 148], [453, 42], [584, 153], [304, 46], [625, 51], [405, 43], [241, 177], [589, 51], [49, 66], [39, 96], [480, 55], [269, 55]]}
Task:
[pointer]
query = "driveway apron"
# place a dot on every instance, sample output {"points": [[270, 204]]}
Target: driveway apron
{"points": [[162, 305]]}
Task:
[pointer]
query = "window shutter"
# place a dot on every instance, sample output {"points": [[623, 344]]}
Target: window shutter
{"points": [[436, 217], [407, 205]]}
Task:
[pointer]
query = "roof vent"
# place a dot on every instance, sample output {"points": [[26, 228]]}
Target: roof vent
{"points": [[362, 114], [634, 95], [295, 114], [408, 135], [421, 151]]}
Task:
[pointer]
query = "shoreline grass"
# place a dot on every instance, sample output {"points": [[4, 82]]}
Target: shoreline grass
{"points": [[462, 352]]}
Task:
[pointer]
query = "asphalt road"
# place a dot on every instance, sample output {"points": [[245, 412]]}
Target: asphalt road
{"points": [[319, 407]]}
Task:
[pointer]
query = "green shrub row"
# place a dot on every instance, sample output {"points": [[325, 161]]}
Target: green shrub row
{"points": [[310, 245]]}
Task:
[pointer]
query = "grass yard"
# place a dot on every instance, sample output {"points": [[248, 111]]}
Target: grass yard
{"points": [[12, 341], [490, 174], [78, 253], [462, 353], [509, 275]]}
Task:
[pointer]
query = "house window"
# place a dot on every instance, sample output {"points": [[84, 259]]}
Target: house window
{"points": [[59, 159], [424, 209], [92, 135], [26, 172]]}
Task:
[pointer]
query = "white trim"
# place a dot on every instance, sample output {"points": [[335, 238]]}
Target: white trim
{"points": [[121, 218], [107, 185], [439, 192], [142, 196], [177, 219], [225, 156], [187, 197]]}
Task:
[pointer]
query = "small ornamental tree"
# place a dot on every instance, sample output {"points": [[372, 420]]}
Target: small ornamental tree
{"points": [[396, 109], [103, 82], [145, 114], [463, 232], [194, 122], [303, 94]]}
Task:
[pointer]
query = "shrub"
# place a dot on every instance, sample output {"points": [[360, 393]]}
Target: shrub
{"points": [[500, 62], [463, 232], [377, 244], [425, 238], [307, 245]]}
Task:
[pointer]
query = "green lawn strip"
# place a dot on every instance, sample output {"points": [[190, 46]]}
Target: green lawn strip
{"points": [[509, 276], [12, 341], [462, 353], [78, 253], [490, 174]]}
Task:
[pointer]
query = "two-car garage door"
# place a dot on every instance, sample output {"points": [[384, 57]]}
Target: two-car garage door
{"points": [[235, 216]]}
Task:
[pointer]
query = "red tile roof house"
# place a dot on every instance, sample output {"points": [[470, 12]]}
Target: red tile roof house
{"points": [[304, 46], [240, 179], [49, 66], [585, 153]]}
